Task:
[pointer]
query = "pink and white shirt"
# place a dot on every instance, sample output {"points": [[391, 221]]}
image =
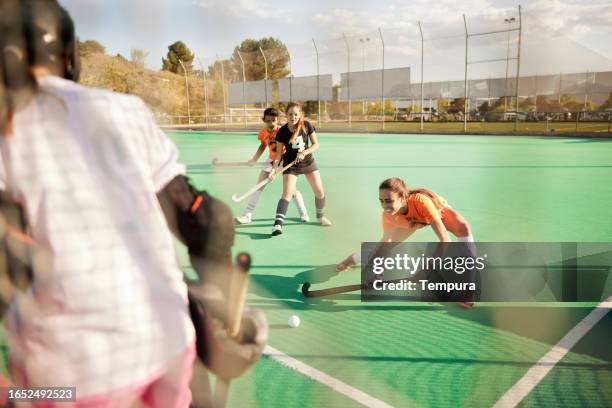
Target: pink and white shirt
{"points": [[109, 306]]}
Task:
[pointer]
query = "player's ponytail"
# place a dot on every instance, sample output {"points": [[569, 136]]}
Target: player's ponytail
{"points": [[425, 191]]}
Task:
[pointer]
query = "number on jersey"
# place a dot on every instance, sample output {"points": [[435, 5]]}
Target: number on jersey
{"points": [[299, 144]]}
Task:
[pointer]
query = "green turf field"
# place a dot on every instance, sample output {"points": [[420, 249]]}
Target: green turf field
{"points": [[512, 188], [529, 189]]}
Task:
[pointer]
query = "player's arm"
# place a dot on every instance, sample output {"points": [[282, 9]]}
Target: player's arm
{"points": [[258, 153], [440, 230], [200, 221], [280, 146], [355, 258], [314, 144]]}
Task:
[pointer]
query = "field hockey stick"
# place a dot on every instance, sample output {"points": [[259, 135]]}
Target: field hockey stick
{"points": [[236, 297], [342, 289], [216, 162], [237, 199]]}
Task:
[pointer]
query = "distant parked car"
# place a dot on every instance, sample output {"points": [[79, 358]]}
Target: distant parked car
{"points": [[400, 116], [513, 115]]}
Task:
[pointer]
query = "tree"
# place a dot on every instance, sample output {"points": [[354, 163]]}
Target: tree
{"points": [[229, 73], [571, 102], [276, 54], [89, 47], [456, 106], [484, 107], [138, 57], [607, 104], [177, 51]]}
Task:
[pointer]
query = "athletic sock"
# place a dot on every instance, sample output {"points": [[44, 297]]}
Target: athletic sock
{"points": [[253, 199], [281, 211], [298, 199], [320, 206]]}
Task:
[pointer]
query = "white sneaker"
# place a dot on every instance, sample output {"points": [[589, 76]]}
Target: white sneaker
{"points": [[244, 219], [324, 221], [304, 217], [277, 230]]}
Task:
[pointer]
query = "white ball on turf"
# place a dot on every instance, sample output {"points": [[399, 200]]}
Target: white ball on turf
{"points": [[294, 321]]}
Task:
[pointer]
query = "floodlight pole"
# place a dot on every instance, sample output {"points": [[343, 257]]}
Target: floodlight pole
{"points": [[382, 86], [535, 103], [509, 21], [223, 93], [422, 85], [363, 41], [348, 79], [205, 92], [586, 90], [465, 90], [290, 78], [318, 87], [266, 75], [518, 69], [243, 89], [560, 87], [187, 91]]}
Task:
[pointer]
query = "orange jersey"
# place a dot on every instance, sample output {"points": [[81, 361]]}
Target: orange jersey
{"points": [[421, 209], [269, 138]]}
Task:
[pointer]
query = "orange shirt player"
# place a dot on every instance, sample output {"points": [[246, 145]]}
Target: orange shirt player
{"points": [[406, 210]]}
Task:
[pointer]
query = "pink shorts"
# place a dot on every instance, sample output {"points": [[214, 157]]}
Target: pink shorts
{"points": [[167, 389]]}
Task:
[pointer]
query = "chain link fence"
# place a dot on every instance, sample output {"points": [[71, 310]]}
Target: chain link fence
{"points": [[484, 73]]}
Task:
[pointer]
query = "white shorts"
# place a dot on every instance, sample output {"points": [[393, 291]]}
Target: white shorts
{"points": [[267, 166]]}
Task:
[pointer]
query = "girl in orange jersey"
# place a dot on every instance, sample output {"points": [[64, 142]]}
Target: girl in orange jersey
{"points": [[267, 137], [406, 210]]}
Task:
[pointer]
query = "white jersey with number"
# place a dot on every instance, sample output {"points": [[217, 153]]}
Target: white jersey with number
{"points": [[108, 307]]}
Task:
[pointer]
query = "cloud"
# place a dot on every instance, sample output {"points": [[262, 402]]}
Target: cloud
{"points": [[400, 14], [245, 9], [575, 19]]}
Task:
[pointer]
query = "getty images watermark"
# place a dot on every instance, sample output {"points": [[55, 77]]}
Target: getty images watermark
{"points": [[486, 271], [411, 265]]}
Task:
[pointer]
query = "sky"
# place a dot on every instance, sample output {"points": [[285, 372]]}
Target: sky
{"points": [[215, 27]]}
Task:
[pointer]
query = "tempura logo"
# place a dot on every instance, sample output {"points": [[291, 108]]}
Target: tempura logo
{"points": [[413, 264]]}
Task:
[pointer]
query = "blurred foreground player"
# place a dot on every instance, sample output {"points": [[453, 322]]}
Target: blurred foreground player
{"points": [[100, 189]]}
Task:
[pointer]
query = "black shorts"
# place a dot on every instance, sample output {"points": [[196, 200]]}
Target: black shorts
{"points": [[300, 168]]}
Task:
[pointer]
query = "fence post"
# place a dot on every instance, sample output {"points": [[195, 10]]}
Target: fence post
{"points": [[465, 83], [187, 91], [318, 87], [243, 90], [266, 75], [348, 79], [577, 119], [422, 85], [382, 90], [205, 92], [290, 78], [518, 68], [223, 94]]}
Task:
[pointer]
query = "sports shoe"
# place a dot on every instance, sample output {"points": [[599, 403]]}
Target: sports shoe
{"points": [[277, 230], [244, 219], [304, 217], [324, 221]]}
